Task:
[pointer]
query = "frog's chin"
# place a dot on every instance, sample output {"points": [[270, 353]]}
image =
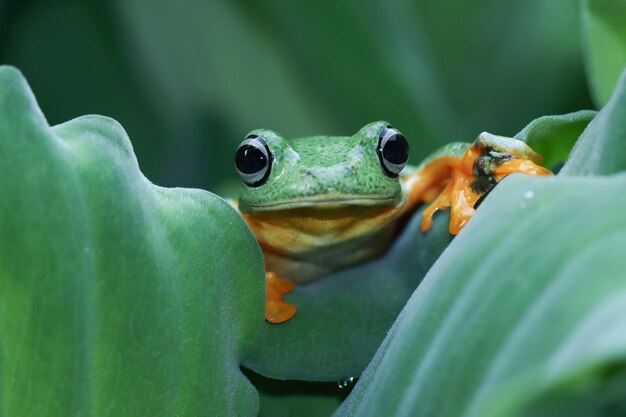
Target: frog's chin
{"points": [[327, 202]]}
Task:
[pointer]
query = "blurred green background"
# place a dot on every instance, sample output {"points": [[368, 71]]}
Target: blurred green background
{"points": [[188, 79]]}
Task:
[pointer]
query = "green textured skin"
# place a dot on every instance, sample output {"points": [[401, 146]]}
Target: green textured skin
{"points": [[328, 168], [322, 167]]}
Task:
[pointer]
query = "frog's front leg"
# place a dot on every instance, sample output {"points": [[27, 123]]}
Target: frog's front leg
{"points": [[277, 310], [460, 182]]}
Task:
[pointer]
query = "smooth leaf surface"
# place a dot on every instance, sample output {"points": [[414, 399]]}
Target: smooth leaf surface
{"points": [[601, 149], [116, 298], [342, 318], [604, 45], [554, 136], [514, 308]]}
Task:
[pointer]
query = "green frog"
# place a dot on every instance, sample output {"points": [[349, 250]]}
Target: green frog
{"points": [[320, 203]]}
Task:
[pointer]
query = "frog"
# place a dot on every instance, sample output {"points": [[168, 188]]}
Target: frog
{"points": [[317, 204]]}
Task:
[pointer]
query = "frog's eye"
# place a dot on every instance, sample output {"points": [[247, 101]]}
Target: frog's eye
{"points": [[393, 151], [253, 161]]}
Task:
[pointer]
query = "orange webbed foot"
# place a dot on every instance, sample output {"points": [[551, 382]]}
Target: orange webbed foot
{"points": [[277, 310], [465, 180]]}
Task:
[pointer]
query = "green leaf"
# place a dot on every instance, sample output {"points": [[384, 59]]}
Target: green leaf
{"points": [[518, 306], [116, 298], [601, 149], [343, 317], [554, 136], [604, 45]]}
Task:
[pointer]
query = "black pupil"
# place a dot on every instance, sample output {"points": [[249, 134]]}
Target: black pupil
{"points": [[250, 159], [396, 149]]}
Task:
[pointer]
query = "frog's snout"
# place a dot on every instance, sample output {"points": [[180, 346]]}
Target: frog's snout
{"points": [[329, 174]]}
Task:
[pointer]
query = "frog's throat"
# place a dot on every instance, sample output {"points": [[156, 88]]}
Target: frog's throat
{"points": [[325, 202]]}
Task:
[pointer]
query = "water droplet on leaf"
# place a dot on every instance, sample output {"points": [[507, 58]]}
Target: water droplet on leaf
{"points": [[346, 382]]}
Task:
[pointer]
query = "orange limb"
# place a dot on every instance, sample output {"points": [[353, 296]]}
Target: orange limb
{"points": [[441, 202], [451, 180], [430, 181], [463, 199], [458, 195], [277, 310]]}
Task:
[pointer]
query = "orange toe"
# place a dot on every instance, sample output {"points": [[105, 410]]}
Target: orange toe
{"points": [[440, 203], [281, 285], [279, 311]]}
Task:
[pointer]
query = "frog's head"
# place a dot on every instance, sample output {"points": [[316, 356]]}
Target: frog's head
{"points": [[321, 171]]}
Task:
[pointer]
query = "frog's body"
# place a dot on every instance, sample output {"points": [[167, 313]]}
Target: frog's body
{"points": [[320, 203], [307, 243]]}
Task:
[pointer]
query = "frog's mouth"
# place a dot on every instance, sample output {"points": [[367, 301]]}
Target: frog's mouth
{"points": [[326, 202]]}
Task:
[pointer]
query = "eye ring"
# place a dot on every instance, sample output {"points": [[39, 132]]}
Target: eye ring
{"points": [[392, 151], [253, 161]]}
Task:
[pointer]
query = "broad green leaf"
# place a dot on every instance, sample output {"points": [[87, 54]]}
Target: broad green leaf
{"points": [[116, 297], [554, 136], [601, 149], [527, 300], [604, 45], [343, 317]]}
